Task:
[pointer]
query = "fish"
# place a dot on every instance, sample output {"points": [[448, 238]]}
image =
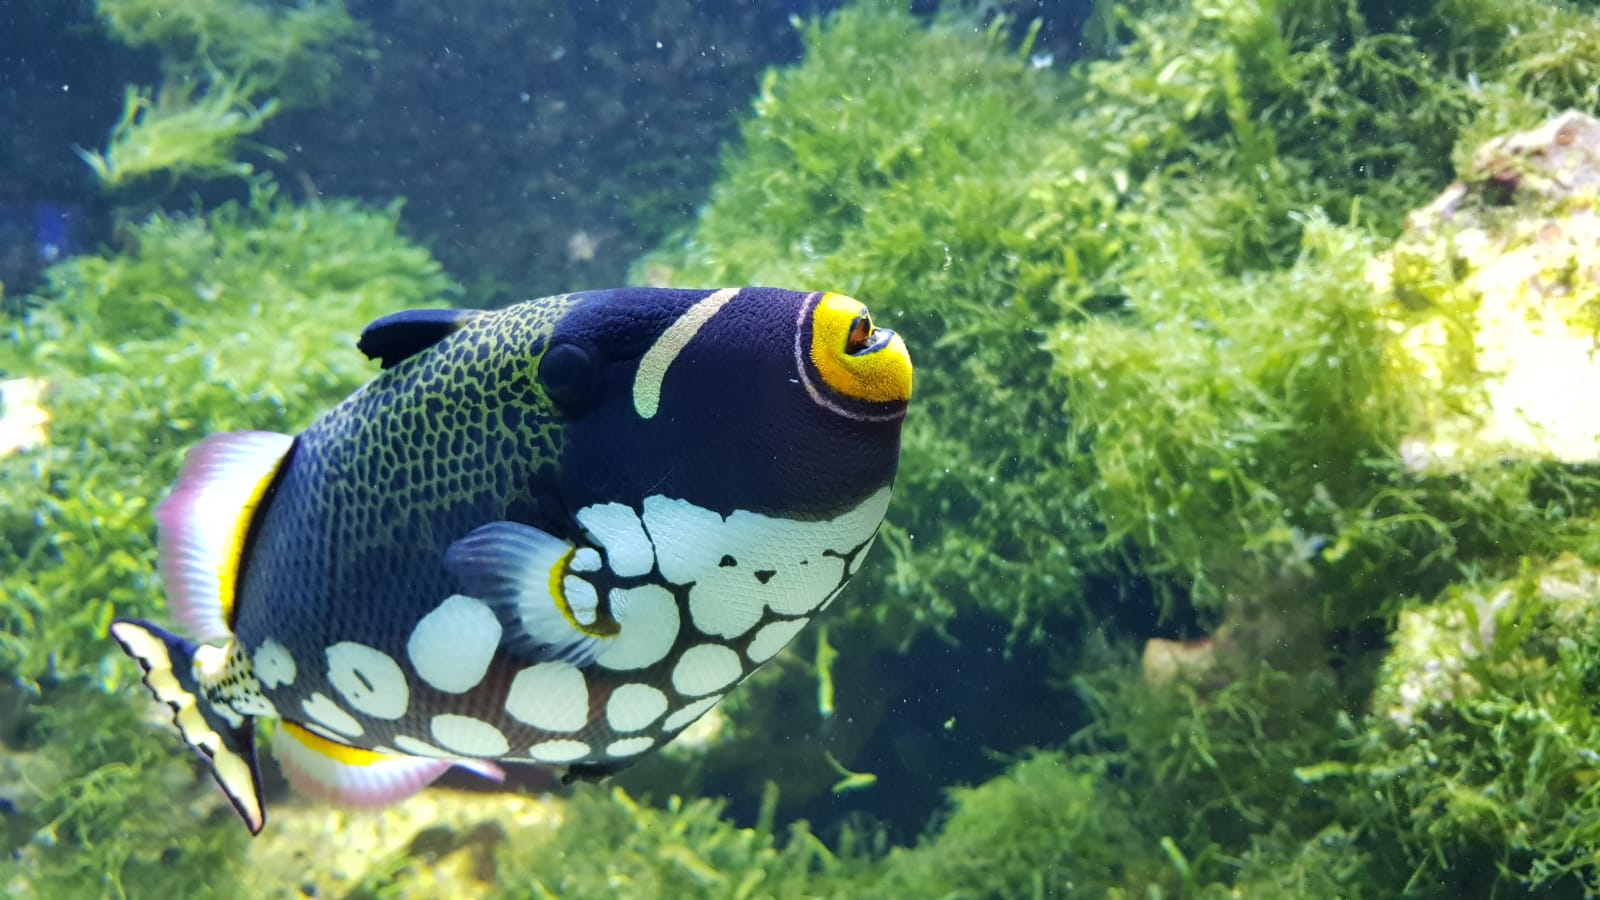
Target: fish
{"points": [[553, 534]]}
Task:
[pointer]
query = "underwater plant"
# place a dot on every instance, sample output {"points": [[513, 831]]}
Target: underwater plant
{"points": [[228, 66], [683, 848], [292, 51], [1020, 214], [180, 132], [1158, 362], [1478, 766]]}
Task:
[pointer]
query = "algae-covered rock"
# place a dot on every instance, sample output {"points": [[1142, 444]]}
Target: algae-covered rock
{"points": [[1048, 827], [440, 843], [24, 419], [1500, 283], [1484, 749], [612, 845]]}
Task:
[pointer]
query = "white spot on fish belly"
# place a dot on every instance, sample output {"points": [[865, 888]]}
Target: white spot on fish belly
{"points": [[330, 715], [469, 736], [630, 746], [369, 679], [451, 647], [648, 618], [634, 706], [688, 714], [586, 559], [772, 637], [558, 751], [581, 599], [552, 696], [405, 743], [616, 528], [705, 668], [748, 563], [273, 664]]}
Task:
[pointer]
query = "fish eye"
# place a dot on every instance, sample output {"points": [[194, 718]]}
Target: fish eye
{"points": [[861, 330], [567, 373], [855, 357]]}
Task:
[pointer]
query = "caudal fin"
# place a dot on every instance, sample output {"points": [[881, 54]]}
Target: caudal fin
{"points": [[224, 739]]}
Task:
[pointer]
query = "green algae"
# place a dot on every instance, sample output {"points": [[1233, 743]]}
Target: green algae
{"points": [[1151, 347], [611, 844], [180, 131], [831, 187], [1081, 838], [290, 50], [228, 66], [1478, 766], [1017, 221]]}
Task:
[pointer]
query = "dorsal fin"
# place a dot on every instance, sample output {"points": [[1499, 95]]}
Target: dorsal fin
{"points": [[404, 334], [205, 522]]}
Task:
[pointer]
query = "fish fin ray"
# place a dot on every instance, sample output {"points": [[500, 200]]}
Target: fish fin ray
{"points": [[519, 570], [402, 335], [356, 778], [203, 523], [223, 738]]}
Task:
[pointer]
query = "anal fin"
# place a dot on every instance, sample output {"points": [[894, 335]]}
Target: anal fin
{"points": [[357, 778], [223, 738]]}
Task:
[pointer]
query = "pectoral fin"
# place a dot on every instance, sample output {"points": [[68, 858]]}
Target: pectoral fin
{"points": [[528, 577]]}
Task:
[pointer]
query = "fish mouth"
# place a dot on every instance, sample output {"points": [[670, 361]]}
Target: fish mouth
{"points": [[878, 340]]}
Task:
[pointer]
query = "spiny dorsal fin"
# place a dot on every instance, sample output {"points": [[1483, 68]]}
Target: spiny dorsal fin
{"points": [[402, 335]]}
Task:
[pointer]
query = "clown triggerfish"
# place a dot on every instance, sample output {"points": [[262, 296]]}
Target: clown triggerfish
{"points": [[557, 533]]}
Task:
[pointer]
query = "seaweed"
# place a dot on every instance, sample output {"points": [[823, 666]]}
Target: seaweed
{"points": [[832, 187], [1477, 768], [1154, 347], [1052, 826], [1025, 225], [228, 66], [180, 132], [293, 51], [683, 848]]}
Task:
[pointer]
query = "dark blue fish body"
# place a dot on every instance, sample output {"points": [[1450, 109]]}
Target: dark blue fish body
{"points": [[557, 534]]}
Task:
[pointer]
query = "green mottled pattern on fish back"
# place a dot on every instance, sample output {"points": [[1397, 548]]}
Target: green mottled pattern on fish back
{"points": [[350, 547]]}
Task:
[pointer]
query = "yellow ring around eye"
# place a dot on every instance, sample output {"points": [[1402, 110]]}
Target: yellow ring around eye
{"points": [[878, 373]]}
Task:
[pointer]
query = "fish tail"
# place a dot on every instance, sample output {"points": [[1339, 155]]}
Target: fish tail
{"points": [[175, 672]]}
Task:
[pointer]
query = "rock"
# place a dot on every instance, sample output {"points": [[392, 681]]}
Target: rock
{"points": [[1166, 663], [1497, 303], [24, 422], [440, 843]]}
